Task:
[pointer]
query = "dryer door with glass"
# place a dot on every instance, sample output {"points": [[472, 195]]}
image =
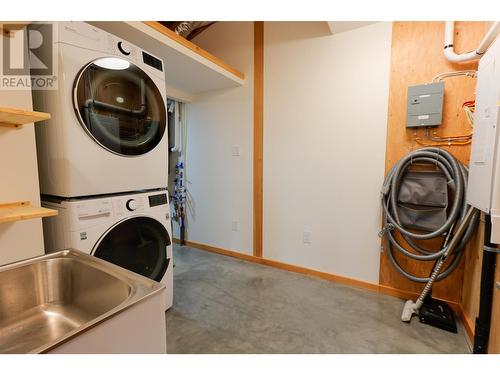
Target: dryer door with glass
{"points": [[119, 106], [138, 244]]}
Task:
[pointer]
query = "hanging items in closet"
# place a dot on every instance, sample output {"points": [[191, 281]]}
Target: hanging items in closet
{"points": [[187, 29], [179, 200], [179, 193]]}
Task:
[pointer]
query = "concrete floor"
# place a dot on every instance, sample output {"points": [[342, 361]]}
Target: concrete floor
{"points": [[226, 305]]}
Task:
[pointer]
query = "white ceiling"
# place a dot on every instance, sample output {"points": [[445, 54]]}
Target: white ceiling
{"points": [[341, 26]]}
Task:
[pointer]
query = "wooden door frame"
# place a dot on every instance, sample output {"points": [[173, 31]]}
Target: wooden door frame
{"points": [[258, 135]]}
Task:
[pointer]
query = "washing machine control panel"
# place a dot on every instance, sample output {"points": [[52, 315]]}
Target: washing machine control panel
{"points": [[132, 204], [124, 48], [158, 200]]}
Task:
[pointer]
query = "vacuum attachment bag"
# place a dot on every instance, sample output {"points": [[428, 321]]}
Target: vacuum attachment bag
{"points": [[423, 200]]}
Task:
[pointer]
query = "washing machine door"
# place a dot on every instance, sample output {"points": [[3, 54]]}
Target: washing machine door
{"points": [[138, 244], [119, 106]]}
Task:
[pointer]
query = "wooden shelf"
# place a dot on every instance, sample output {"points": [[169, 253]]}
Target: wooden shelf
{"points": [[193, 47], [189, 70], [14, 117], [10, 28], [23, 210]]}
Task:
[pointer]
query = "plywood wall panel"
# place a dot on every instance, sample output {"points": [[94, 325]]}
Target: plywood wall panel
{"points": [[416, 57], [472, 277], [494, 343]]}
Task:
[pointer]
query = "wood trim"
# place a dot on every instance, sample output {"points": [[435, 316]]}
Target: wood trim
{"points": [[284, 266], [15, 117], [22, 210], [258, 136], [218, 250], [494, 340], [14, 204], [10, 28], [322, 275], [398, 293], [360, 284], [468, 325], [405, 294], [193, 47]]}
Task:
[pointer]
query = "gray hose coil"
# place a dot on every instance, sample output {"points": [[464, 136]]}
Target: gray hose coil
{"points": [[456, 174]]}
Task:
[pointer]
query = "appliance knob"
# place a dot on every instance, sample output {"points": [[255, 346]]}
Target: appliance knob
{"points": [[131, 205], [124, 48]]}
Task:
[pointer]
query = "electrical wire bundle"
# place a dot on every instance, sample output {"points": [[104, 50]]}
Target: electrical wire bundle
{"points": [[469, 108], [456, 73], [435, 140], [456, 174], [452, 140]]}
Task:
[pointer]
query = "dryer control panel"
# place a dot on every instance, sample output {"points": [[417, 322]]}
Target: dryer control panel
{"points": [[85, 35]]}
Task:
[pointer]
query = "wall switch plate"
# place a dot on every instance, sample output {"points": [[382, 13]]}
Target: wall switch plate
{"points": [[235, 150], [235, 226], [307, 237]]}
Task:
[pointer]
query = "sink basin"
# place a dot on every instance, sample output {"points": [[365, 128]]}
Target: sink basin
{"points": [[48, 300]]}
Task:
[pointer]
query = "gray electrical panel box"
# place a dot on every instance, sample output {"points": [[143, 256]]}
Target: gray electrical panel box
{"points": [[425, 105]]}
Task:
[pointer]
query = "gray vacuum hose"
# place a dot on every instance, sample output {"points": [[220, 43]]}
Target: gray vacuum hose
{"points": [[456, 174]]}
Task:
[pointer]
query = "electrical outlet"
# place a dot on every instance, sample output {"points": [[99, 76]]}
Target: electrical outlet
{"points": [[235, 226], [307, 237], [235, 150]]}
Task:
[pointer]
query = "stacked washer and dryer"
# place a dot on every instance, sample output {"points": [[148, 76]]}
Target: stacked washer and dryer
{"points": [[103, 156]]}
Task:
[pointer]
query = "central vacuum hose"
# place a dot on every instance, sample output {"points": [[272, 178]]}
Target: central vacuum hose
{"points": [[456, 174]]}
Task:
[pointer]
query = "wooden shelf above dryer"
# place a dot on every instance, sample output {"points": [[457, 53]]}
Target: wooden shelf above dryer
{"points": [[15, 117], [23, 210], [10, 28], [189, 69], [193, 47]]}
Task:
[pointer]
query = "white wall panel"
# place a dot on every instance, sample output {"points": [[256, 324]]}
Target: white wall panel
{"points": [[325, 119], [220, 184]]}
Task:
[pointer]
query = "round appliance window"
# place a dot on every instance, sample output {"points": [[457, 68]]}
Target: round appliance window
{"points": [[138, 244], [120, 106]]}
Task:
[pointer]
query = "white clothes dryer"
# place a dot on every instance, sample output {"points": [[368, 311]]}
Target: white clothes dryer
{"points": [[108, 130]]}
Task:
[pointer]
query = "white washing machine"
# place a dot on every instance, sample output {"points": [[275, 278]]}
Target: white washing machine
{"points": [[108, 131], [130, 230]]}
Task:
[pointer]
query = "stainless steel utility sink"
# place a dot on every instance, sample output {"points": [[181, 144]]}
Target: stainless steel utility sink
{"points": [[47, 300]]}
